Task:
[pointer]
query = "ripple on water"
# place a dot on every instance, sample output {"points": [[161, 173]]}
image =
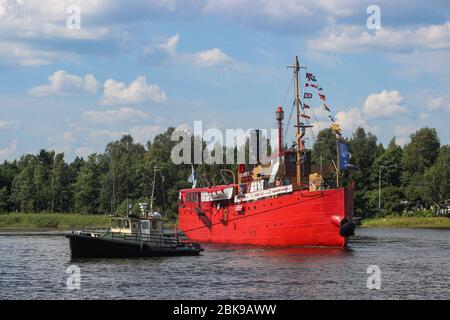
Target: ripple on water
{"points": [[414, 265]]}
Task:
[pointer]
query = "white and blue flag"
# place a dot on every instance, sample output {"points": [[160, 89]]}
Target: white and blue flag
{"points": [[344, 156], [192, 178]]}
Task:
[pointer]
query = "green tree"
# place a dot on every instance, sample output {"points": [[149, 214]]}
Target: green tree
{"points": [[8, 171], [364, 150], [4, 199], [325, 147], [387, 170], [391, 163], [391, 200], [61, 189], [437, 178], [121, 179], [87, 186], [23, 190], [42, 181], [175, 176], [419, 155]]}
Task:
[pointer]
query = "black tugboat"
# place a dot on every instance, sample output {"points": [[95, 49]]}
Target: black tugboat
{"points": [[130, 237]]}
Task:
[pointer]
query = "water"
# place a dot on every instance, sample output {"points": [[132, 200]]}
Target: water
{"points": [[414, 264]]}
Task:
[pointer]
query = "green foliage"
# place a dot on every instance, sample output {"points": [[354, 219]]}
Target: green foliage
{"points": [[364, 150], [413, 177], [437, 178], [390, 163], [325, 147], [391, 200], [421, 153], [23, 193], [410, 178], [87, 186], [4, 199]]}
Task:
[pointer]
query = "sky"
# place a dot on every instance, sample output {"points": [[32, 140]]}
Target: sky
{"points": [[77, 74]]}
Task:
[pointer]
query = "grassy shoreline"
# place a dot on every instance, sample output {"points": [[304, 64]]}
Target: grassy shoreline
{"points": [[61, 221], [55, 221], [406, 222], [67, 221]]}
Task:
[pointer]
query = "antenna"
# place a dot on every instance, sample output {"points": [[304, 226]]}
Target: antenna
{"points": [[153, 188]]}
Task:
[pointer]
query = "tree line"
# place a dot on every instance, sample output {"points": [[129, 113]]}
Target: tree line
{"points": [[414, 176]]}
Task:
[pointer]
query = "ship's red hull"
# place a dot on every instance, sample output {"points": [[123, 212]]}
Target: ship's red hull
{"points": [[301, 218]]}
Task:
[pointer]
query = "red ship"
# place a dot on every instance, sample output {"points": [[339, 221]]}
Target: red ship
{"points": [[283, 203]]}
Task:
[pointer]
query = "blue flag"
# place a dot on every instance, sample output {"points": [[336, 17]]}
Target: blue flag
{"points": [[344, 155]]}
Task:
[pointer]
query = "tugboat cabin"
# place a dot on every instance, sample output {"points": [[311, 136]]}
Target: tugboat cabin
{"points": [[151, 224]]}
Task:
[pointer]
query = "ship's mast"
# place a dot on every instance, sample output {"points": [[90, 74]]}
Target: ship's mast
{"points": [[298, 125]]}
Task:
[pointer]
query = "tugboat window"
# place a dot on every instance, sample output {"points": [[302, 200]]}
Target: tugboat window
{"points": [[113, 223], [119, 223], [126, 223], [145, 225]]}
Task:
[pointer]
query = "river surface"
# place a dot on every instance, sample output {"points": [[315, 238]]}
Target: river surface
{"points": [[414, 264]]}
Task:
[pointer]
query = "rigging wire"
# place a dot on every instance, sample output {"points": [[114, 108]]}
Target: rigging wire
{"points": [[287, 91], [289, 122], [292, 109]]}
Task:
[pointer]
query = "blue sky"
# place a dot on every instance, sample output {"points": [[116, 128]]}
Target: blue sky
{"points": [[140, 66]]}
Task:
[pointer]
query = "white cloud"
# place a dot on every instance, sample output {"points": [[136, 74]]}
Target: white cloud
{"points": [[136, 92], [62, 143], [384, 104], [39, 26], [403, 133], [169, 45], [34, 33], [63, 83], [83, 152], [142, 134], [351, 119], [13, 53], [293, 16], [269, 9], [416, 63], [319, 126], [348, 120], [5, 124], [9, 151], [124, 114], [165, 51], [350, 38], [106, 134], [401, 141], [435, 104], [208, 58]]}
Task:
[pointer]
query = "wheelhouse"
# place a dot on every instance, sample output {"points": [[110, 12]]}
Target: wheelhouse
{"points": [[151, 225]]}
